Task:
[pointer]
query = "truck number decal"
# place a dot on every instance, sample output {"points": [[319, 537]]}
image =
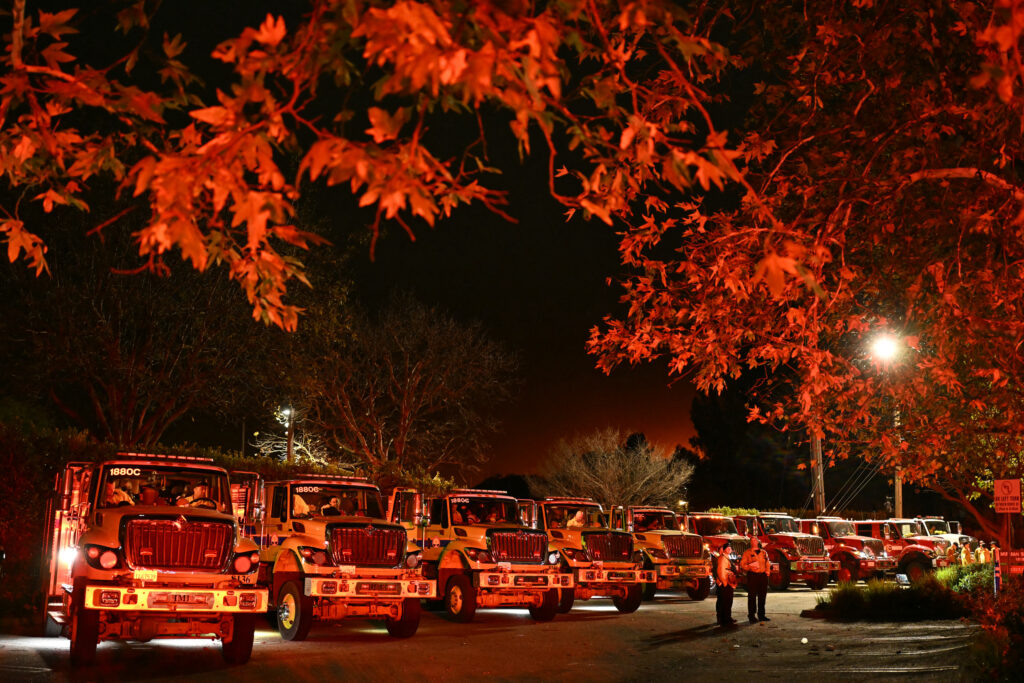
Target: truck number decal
{"points": [[125, 472], [307, 489], [460, 500]]}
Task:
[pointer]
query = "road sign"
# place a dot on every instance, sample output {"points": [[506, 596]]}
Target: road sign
{"points": [[1012, 562], [1007, 495]]}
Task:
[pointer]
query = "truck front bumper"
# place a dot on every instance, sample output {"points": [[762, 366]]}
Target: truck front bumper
{"points": [[523, 580], [171, 599]]}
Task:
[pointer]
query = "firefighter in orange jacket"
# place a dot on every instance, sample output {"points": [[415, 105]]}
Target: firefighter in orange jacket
{"points": [[757, 565]]}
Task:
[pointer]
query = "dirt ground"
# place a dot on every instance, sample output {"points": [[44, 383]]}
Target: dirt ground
{"points": [[670, 638]]}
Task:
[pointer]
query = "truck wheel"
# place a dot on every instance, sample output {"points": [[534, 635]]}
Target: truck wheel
{"points": [[817, 583], [460, 598], [780, 581], [915, 570], [405, 625], [566, 598], [630, 603], [240, 648], [294, 612], [548, 606], [848, 570], [85, 633], [701, 591]]}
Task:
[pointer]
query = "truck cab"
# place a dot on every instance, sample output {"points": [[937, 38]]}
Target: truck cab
{"points": [[327, 554], [475, 545], [947, 530], [795, 556], [600, 560], [859, 557], [147, 546], [678, 559], [716, 529]]}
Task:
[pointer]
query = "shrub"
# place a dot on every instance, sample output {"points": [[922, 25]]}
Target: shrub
{"points": [[887, 601], [999, 653]]}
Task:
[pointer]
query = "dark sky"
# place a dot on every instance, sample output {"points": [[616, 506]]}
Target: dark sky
{"points": [[539, 286]]}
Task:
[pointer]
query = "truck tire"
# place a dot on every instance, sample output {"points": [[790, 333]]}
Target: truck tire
{"points": [[915, 570], [701, 591], [460, 598], [780, 581], [849, 569], [85, 634], [819, 582], [566, 598], [405, 626], [631, 602], [294, 612], [548, 606], [239, 649]]}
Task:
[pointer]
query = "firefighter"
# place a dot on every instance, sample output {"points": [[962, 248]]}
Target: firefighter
{"points": [[966, 556], [578, 520], [757, 565], [953, 553], [115, 495], [982, 555], [726, 580]]}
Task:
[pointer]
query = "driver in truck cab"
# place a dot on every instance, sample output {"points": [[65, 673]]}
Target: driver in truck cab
{"points": [[201, 490], [115, 495]]}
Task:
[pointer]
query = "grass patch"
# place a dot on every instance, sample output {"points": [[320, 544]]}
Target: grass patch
{"points": [[887, 601]]}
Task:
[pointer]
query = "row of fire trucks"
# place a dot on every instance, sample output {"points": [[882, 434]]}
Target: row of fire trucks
{"points": [[144, 546]]}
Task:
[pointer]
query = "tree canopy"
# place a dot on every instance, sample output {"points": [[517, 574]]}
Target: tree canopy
{"points": [[883, 143]]}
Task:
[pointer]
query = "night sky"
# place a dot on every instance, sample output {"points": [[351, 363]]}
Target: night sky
{"points": [[538, 286]]}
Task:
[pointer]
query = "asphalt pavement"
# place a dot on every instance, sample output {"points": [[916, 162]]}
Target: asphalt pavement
{"points": [[669, 638]]}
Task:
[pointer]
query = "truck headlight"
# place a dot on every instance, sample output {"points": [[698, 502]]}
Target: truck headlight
{"points": [[412, 560], [576, 554], [657, 553], [554, 557], [101, 557], [866, 553], [479, 555], [245, 563], [315, 556]]}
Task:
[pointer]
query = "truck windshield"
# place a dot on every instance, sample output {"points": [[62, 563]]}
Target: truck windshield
{"points": [[779, 525], [335, 500], [937, 526], [910, 529], [482, 510], [714, 526], [575, 516], [654, 520], [841, 529], [141, 484]]}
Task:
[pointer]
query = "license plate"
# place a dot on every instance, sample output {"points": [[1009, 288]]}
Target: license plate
{"points": [[172, 600], [531, 581], [598, 564], [507, 566], [245, 578], [379, 587], [144, 575], [347, 568]]}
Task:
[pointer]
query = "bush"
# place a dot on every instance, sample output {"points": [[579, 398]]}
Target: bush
{"points": [[970, 578], [999, 652], [887, 601]]}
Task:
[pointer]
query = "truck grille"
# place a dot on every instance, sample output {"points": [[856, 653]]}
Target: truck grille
{"points": [[523, 545], [609, 547], [178, 544], [740, 545], [683, 546], [367, 545], [877, 547], [812, 545]]}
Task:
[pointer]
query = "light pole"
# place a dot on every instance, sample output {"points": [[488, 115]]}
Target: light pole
{"points": [[289, 415], [884, 349], [818, 471]]}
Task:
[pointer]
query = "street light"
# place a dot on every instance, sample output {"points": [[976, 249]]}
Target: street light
{"points": [[885, 348], [287, 412]]}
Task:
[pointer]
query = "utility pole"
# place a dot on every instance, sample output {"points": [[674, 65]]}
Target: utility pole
{"points": [[898, 493], [818, 486]]}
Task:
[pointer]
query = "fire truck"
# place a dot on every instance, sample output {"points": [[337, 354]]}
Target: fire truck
{"points": [[327, 553], [600, 560], [679, 559], [795, 556], [907, 540], [716, 529], [859, 557], [475, 544], [146, 546]]}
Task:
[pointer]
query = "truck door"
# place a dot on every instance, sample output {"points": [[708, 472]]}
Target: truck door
{"points": [[66, 515]]}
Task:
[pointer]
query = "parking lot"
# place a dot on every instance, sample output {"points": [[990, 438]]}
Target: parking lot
{"points": [[671, 638]]}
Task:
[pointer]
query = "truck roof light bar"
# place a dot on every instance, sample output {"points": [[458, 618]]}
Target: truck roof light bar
{"points": [[165, 456], [490, 491]]}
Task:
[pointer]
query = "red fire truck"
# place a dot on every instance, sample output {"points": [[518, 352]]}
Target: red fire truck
{"points": [[147, 546]]}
